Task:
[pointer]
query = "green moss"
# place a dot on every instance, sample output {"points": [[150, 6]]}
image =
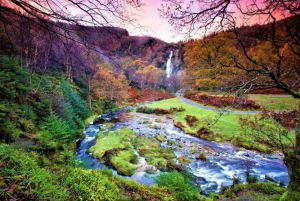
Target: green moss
{"points": [[115, 148], [153, 126], [124, 162], [160, 138], [151, 170], [106, 126], [158, 120], [154, 155]]}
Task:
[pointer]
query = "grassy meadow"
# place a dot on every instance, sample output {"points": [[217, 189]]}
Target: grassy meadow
{"points": [[214, 126], [275, 102], [223, 124]]}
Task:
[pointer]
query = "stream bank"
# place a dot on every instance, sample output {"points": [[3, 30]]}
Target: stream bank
{"points": [[223, 160]]}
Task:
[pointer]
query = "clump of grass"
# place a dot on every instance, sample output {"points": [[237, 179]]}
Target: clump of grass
{"points": [[182, 185], [254, 191], [115, 148]]}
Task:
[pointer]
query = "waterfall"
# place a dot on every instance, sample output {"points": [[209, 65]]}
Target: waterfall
{"points": [[169, 68]]}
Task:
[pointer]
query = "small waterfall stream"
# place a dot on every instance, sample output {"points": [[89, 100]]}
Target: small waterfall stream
{"points": [[169, 68], [225, 161]]}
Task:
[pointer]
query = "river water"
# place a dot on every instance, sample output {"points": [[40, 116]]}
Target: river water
{"points": [[225, 161]]}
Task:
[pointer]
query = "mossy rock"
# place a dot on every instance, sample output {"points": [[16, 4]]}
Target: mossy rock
{"points": [[194, 150], [124, 162], [115, 148], [154, 155], [151, 170], [184, 160], [160, 138], [158, 120], [153, 126], [171, 142], [202, 156], [106, 126], [169, 116]]}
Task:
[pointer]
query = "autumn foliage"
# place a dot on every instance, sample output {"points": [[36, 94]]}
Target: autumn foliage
{"points": [[147, 95], [285, 118]]}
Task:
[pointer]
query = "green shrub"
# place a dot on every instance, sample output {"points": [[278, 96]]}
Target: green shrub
{"points": [[91, 185], [252, 179], [54, 133], [32, 182], [290, 196], [149, 110], [181, 183]]}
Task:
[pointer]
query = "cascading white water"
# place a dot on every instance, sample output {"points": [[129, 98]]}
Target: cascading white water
{"points": [[169, 68]]}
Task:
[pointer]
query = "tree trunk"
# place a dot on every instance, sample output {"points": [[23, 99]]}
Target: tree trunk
{"points": [[292, 161]]}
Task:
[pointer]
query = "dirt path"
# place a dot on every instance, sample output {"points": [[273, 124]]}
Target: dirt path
{"points": [[189, 102]]}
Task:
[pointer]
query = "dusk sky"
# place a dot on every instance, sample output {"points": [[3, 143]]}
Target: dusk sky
{"points": [[156, 26]]}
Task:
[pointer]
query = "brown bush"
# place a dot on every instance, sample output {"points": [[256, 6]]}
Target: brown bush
{"points": [[222, 102], [177, 109], [141, 109], [204, 133], [286, 118], [158, 111], [190, 120], [179, 125]]}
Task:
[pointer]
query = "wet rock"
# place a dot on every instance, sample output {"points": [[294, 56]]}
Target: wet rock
{"points": [[106, 126], [200, 180], [269, 178], [184, 160], [202, 156]]}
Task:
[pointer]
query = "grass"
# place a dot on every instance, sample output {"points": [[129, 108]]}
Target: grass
{"points": [[255, 191], [224, 126], [275, 102], [212, 125]]}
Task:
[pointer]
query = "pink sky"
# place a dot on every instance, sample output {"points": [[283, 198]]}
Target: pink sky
{"points": [[156, 26]]}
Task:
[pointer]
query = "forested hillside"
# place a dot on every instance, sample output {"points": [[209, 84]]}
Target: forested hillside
{"points": [[247, 58], [50, 84]]}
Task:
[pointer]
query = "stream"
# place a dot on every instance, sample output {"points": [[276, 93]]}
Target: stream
{"points": [[225, 161]]}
